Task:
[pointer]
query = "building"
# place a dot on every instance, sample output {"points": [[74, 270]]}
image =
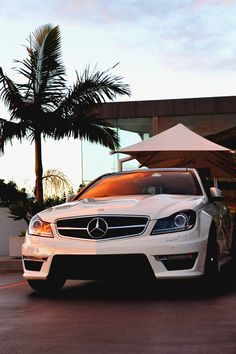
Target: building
{"points": [[211, 117]]}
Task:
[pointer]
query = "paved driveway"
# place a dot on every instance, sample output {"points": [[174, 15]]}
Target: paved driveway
{"points": [[92, 317]]}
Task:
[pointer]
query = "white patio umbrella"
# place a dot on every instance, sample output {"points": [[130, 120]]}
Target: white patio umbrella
{"points": [[181, 147]]}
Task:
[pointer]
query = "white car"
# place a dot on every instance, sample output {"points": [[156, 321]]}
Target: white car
{"points": [[167, 223]]}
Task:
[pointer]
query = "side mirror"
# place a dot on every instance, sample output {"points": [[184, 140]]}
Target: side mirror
{"points": [[216, 194], [69, 198]]}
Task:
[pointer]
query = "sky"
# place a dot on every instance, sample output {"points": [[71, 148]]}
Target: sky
{"points": [[165, 49]]}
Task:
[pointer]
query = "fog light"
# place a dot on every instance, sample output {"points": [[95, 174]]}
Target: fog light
{"points": [[178, 261], [33, 258], [174, 257]]}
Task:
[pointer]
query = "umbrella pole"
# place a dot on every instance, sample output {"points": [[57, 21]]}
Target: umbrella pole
{"points": [[121, 161]]}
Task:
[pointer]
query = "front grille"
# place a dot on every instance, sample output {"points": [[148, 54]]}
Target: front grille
{"points": [[105, 227], [129, 266]]}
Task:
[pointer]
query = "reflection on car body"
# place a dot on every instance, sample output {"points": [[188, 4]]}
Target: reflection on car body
{"points": [[167, 223]]}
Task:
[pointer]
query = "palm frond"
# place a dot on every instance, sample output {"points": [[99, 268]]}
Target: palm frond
{"points": [[46, 45], [98, 86], [10, 95], [100, 134], [75, 115], [43, 68], [10, 130], [76, 111], [87, 127]]}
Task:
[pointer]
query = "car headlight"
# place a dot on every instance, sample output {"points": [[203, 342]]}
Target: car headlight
{"points": [[39, 227], [181, 221]]}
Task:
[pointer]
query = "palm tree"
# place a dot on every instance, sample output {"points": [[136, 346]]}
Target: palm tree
{"points": [[44, 106]]}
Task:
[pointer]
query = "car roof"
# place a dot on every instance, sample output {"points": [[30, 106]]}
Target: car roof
{"points": [[175, 169]]}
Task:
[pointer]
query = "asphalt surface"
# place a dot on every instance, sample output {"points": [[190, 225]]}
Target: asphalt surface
{"points": [[100, 318], [12, 264]]}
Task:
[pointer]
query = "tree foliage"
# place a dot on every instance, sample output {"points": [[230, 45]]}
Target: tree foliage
{"points": [[10, 193], [43, 105]]}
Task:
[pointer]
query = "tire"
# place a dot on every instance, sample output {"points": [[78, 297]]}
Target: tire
{"points": [[212, 268], [233, 245], [47, 286]]}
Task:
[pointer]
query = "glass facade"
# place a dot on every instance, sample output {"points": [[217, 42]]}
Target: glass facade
{"points": [[97, 160]]}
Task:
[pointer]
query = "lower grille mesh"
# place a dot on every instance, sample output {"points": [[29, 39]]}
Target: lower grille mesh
{"points": [[102, 266]]}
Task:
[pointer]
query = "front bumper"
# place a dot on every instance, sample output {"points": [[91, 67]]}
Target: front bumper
{"points": [[166, 256]]}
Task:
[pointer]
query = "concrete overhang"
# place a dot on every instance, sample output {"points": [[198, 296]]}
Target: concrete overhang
{"points": [[168, 107], [207, 116]]}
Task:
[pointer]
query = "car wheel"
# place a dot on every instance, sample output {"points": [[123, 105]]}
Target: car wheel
{"points": [[212, 267], [50, 285], [233, 245]]}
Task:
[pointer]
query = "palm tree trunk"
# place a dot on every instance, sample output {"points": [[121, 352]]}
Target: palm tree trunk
{"points": [[38, 168]]}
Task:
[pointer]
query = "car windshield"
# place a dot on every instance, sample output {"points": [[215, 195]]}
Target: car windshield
{"points": [[146, 182]]}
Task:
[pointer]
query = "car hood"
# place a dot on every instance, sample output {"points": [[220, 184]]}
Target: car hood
{"points": [[154, 206]]}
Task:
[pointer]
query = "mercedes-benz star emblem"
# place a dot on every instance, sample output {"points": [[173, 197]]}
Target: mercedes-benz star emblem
{"points": [[97, 228]]}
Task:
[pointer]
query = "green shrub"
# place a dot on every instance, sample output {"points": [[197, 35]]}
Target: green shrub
{"points": [[10, 193], [25, 209], [20, 205]]}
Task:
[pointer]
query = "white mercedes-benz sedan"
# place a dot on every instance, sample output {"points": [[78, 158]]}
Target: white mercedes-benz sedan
{"points": [[163, 223]]}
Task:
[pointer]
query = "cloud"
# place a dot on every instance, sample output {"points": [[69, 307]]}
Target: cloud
{"points": [[91, 12], [116, 11], [102, 11], [200, 38], [183, 34], [200, 3]]}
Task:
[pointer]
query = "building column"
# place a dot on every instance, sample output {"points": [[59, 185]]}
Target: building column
{"points": [[155, 125]]}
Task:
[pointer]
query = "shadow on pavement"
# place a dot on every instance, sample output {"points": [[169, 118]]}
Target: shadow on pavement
{"points": [[129, 290]]}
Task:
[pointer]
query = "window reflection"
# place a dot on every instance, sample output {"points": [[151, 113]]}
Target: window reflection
{"points": [[143, 182]]}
